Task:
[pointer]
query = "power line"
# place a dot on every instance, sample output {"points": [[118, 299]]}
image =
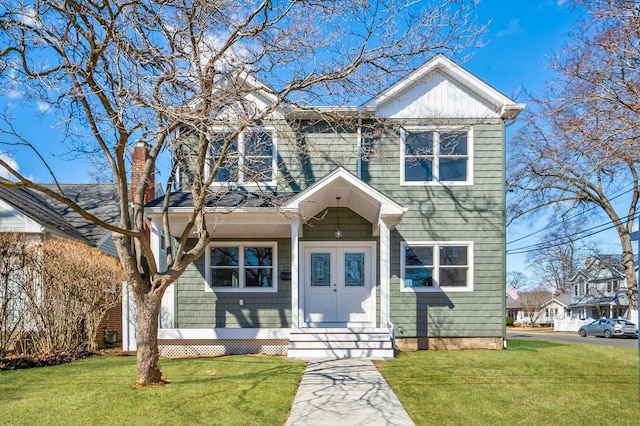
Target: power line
{"points": [[545, 245], [624, 192]]}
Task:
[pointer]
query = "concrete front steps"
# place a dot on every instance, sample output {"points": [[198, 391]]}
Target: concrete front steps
{"points": [[310, 343]]}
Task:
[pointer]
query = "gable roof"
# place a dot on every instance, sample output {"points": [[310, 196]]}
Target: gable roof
{"points": [[440, 79], [601, 267], [35, 207], [354, 193]]}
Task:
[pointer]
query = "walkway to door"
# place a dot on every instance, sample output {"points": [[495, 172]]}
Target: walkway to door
{"points": [[342, 392]]}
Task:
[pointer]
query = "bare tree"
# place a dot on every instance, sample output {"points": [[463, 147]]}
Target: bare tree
{"points": [[517, 280], [560, 255], [532, 301], [140, 71], [579, 149]]}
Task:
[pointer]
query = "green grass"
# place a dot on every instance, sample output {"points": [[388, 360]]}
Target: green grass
{"points": [[532, 383], [235, 390]]}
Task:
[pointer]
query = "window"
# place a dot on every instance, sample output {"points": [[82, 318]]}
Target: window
{"points": [[241, 267], [250, 156], [439, 155], [612, 286], [429, 266]]}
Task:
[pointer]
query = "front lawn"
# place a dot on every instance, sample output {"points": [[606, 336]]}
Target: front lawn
{"points": [[532, 383], [234, 390]]}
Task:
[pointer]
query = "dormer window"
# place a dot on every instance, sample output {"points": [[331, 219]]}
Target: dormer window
{"points": [[250, 157], [436, 155]]}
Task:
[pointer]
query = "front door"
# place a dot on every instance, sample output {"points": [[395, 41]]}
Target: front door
{"points": [[338, 284]]}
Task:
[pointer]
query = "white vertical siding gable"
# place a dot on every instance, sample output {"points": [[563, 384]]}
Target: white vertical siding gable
{"points": [[436, 95]]}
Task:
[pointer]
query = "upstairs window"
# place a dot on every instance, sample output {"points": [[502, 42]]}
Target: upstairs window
{"points": [[250, 157], [428, 266], [439, 155]]}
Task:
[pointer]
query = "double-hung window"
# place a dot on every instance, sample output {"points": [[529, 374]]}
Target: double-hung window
{"points": [[427, 266], [250, 156], [241, 267], [436, 155]]}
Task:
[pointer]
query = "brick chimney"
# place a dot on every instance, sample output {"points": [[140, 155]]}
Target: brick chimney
{"points": [[139, 155]]}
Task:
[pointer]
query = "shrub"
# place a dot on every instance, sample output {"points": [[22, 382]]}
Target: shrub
{"points": [[59, 294], [509, 321]]}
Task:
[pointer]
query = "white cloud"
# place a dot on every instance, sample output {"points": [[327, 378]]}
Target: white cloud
{"points": [[43, 107], [513, 27], [11, 162]]}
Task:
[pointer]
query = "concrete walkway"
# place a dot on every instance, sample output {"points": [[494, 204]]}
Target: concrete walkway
{"points": [[347, 391]]}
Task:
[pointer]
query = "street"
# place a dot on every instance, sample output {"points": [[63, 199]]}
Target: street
{"points": [[566, 337]]}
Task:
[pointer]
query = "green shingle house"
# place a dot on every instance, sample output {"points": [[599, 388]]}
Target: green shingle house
{"points": [[366, 229]]}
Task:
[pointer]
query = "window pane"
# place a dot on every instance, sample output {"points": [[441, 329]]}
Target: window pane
{"points": [[224, 256], [320, 269], [453, 169], [224, 277], [257, 142], [418, 143], [453, 143], [259, 277], [418, 277], [258, 256], [419, 256], [228, 171], [418, 169], [453, 277], [217, 142], [354, 269], [453, 255], [258, 169]]}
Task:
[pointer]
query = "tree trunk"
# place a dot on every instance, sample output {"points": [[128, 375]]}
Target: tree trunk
{"points": [[148, 306], [630, 273]]}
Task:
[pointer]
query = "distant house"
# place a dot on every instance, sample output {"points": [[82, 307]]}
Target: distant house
{"points": [[600, 289], [38, 217], [556, 308], [548, 307]]}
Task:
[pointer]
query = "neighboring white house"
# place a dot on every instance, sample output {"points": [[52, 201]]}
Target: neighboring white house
{"points": [[600, 289], [553, 307]]}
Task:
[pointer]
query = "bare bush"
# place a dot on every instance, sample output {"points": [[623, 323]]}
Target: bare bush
{"points": [[57, 291]]}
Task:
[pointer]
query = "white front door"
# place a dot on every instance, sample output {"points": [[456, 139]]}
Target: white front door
{"points": [[338, 284]]}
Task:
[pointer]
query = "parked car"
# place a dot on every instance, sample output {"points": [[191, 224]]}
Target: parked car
{"points": [[607, 327]]}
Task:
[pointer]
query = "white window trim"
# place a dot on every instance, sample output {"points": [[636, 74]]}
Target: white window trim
{"points": [[434, 182], [436, 245], [241, 245], [274, 163]]}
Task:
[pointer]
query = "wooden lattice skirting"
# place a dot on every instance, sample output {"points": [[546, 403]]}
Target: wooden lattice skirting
{"points": [[196, 347]]}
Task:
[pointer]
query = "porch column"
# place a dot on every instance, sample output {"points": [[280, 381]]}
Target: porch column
{"points": [[384, 274], [167, 311], [295, 293]]}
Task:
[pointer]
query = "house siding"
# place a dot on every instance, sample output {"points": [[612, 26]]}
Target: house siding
{"points": [[450, 213], [197, 308], [308, 152], [472, 213]]}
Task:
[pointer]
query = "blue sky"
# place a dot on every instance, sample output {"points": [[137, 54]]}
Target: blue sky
{"points": [[521, 34]]}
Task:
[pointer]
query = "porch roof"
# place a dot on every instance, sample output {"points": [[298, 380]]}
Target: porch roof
{"points": [[618, 299], [243, 214], [342, 189]]}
